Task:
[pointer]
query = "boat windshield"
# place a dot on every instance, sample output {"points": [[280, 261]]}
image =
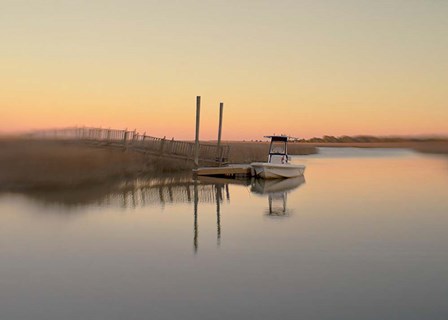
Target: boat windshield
{"points": [[278, 147]]}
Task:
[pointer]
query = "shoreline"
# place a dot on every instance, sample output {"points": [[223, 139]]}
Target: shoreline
{"points": [[431, 147], [41, 164]]}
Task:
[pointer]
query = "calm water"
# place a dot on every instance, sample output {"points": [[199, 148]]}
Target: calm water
{"points": [[365, 237]]}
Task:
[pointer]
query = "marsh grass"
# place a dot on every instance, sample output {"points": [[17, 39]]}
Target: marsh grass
{"points": [[52, 164], [44, 164], [49, 164], [434, 147], [247, 152]]}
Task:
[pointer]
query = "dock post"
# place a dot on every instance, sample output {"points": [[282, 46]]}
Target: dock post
{"points": [[195, 226], [162, 145], [196, 143], [125, 140], [221, 109], [218, 212]]}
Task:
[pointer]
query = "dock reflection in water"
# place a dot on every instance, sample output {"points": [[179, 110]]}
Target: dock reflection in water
{"points": [[380, 240], [217, 187], [142, 192], [164, 191]]}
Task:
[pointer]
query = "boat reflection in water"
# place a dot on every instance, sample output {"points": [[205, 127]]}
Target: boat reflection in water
{"points": [[277, 191]]}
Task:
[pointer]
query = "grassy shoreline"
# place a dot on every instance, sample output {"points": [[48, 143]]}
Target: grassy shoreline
{"points": [[247, 152], [433, 147], [32, 164], [28, 164]]}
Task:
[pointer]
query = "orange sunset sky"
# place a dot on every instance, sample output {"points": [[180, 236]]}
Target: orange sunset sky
{"points": [[303, 68]]}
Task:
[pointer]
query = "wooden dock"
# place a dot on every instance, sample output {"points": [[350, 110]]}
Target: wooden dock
{"points": [[132, 140], [230, 171]]}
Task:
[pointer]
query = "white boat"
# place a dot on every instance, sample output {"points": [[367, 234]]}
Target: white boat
{"points": [[278, 165]]}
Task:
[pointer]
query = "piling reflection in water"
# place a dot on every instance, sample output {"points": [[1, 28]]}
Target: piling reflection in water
{"points": [[382, 229], [144, 192], [218, 186], [164, 191], [128, 194]]}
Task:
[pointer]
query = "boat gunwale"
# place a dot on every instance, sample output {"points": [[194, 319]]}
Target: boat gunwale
{"points": [[278, 165]]}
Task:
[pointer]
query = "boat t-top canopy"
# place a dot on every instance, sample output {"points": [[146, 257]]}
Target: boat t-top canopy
{"points": [[278, 147], [278, 138]]}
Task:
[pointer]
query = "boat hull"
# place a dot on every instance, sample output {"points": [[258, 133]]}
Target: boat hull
{"points": [[277, 171]]}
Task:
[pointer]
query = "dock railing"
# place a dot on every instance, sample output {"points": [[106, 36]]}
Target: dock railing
{"points": [[133, 140]]}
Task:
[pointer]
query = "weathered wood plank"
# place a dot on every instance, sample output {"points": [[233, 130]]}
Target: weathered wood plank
{"points": [[225, 171]]}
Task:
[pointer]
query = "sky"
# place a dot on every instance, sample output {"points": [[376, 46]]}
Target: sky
{"points": [[303, 68]]}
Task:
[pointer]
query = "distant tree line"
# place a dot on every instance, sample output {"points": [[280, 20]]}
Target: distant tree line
{"points": [[366, 138]]}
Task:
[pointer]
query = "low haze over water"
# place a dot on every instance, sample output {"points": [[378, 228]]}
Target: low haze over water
{"points": [[363, 236]]}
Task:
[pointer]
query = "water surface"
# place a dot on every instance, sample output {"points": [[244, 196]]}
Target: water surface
{"points": [[363, 236]]}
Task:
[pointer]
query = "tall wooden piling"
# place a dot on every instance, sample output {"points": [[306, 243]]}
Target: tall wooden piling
{"points": [[221, 109], [195, 227], [162, 145], [198, 116], [125, 139]]}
